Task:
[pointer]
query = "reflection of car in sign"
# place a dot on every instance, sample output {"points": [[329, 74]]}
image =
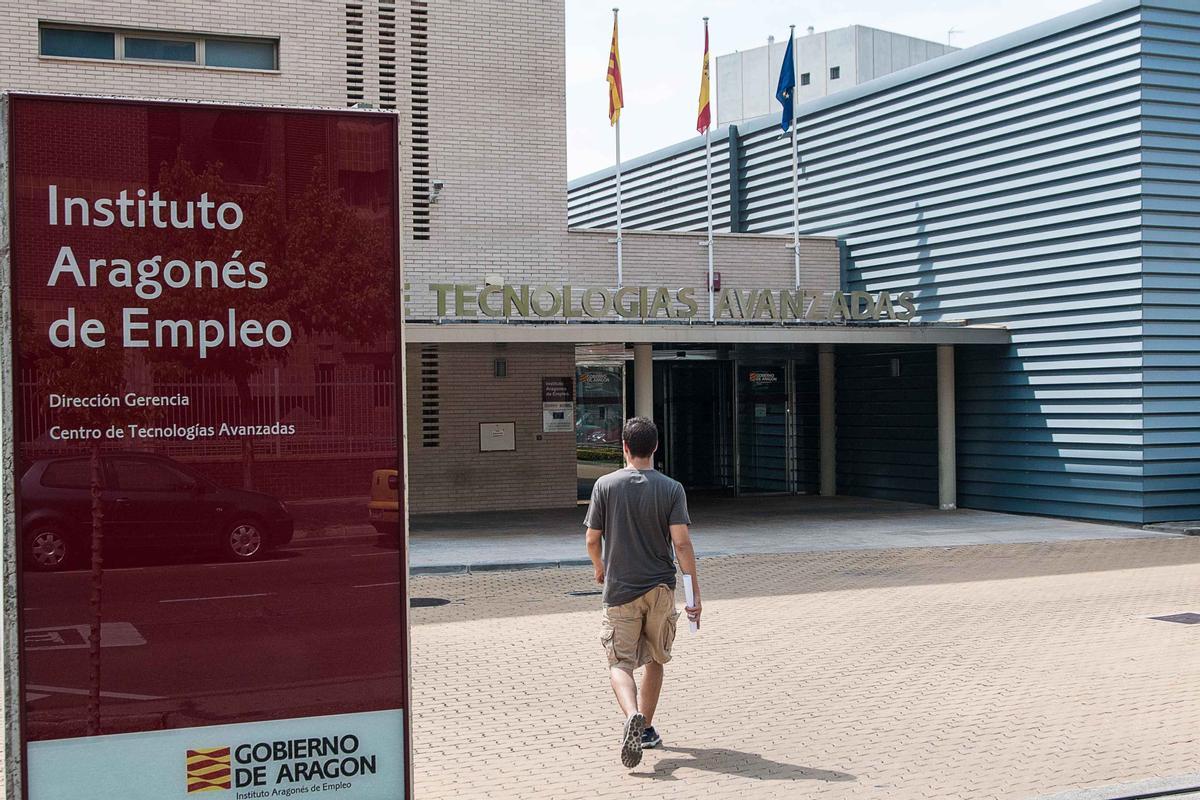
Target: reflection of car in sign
{"points": [[149, 502], [592, 426], [383, 509]]}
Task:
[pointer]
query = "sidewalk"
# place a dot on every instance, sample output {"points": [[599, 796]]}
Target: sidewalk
{"points": [[726, 526], [1007, 671]]}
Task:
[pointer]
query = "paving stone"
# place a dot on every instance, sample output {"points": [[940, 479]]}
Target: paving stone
{"points": [[1007, 671]]}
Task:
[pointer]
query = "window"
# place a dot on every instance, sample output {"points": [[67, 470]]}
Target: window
{"points": [[238, 53], [140, 49], [805, 78], [78, 44], [73, 474], [136, 475], [835, 73], [162, 47]]}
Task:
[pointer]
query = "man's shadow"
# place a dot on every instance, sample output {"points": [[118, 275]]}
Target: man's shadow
{"points": [[734, 762]]}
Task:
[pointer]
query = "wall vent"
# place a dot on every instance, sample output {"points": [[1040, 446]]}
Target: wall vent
{"points": [[418, 56], [355, 88], [431, 403], [387, 55]]}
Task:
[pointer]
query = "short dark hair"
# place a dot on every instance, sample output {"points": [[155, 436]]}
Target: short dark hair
{"points": [[640, 435]]}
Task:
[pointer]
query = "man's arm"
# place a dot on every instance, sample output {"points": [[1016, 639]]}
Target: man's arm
{"points": [[686, 556], [594, 552]]}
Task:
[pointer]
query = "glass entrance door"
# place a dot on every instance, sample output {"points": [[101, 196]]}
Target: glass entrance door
{"points": [[763, 443], [696, 413]]}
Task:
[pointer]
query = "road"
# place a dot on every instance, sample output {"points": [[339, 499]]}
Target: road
{"points": [[311, 630]]}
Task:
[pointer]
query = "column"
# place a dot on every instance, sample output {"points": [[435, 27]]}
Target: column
{"points": [[947, 455], [643, 380], [826, 375]]}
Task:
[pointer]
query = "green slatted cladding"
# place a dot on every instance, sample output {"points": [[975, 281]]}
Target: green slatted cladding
{"points": [[1049, 181]]}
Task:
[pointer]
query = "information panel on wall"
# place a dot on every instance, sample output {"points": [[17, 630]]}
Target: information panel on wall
{"points": [[206, 338]]}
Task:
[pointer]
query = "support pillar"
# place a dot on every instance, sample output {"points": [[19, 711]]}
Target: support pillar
{"points": [[826, 376], [643, 381], [947, 453]]}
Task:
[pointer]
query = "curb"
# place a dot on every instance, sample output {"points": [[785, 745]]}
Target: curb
{"points": [[500, 566], [1183, 787], [1185, 528], [333, 541]]}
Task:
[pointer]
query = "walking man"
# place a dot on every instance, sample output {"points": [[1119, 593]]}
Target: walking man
{"points": [[640, 514]]}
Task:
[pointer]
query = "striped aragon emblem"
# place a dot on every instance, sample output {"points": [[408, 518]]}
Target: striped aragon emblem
{"points": [[208, 770]]}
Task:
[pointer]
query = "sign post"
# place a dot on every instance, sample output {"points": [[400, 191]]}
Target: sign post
{"points": [[201, 309]]}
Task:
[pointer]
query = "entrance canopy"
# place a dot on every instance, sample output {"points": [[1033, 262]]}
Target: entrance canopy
{"points": [[706, 333]]}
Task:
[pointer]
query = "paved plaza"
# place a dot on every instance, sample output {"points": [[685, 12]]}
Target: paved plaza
{"points": [[994, 671]]}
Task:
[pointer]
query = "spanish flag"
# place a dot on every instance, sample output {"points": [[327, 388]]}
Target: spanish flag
{"points": [[704, 115], [616, 97]]}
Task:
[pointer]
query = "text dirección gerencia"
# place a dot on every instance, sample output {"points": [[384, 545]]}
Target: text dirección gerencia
{"points": [[149, 277]]}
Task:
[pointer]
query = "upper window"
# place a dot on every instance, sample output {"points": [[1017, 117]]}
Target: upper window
{"points": [[159, 47], [80, 44], [805, 78], [138, 48], [835, 73]]}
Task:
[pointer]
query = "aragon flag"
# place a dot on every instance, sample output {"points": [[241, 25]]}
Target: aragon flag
{"points": [[616, 96], [704, 115]]}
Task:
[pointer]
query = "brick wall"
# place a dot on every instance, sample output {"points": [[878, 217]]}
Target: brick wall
{"points": [[455, 476], [498, 142], [311, 51], [650, 258]]}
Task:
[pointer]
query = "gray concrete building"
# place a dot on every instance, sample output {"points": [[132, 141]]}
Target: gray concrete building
{"points": [[826, 62]]}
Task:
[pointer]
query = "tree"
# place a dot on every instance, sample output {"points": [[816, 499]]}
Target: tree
{"points": [[322, 260]]}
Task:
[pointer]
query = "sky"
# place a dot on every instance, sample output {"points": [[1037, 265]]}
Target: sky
{"points": [[662, 42]]}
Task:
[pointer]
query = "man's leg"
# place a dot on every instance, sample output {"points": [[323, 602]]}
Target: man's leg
{"points": [[647, 696], [625, 689]]}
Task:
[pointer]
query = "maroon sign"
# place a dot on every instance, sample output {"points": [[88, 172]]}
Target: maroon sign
{"points": [[207, 341], [558, 390]]}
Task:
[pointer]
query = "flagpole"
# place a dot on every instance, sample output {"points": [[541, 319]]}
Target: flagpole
{"points": [[795, 172], [617, 129], [708, 174]]}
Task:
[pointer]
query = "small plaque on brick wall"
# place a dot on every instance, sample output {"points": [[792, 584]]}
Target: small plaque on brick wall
{"points": [[494, 436]]}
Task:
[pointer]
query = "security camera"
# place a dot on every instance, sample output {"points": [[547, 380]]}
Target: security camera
{"points": [[436, 190]]}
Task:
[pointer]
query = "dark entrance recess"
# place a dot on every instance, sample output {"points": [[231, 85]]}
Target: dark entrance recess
{"points": [[693, 407]]}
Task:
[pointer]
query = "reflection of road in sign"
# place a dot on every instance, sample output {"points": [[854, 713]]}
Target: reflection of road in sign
{"points": [[208, 770], [38, 692], [73, 637]]}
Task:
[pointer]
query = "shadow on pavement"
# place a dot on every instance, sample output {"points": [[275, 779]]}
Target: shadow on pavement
{"points": [[734, 762]]}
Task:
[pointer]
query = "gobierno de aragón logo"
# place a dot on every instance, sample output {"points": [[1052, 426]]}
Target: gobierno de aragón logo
{"points": [[281, 768]]}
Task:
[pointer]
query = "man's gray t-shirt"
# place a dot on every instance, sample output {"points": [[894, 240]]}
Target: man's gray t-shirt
{"points": [[635, 509]]}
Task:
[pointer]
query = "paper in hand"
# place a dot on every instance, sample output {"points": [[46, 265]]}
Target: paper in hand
{"points": [[689, 599]]}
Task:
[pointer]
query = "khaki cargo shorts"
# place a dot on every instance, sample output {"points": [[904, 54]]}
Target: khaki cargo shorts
{"points": [[640, 631]]}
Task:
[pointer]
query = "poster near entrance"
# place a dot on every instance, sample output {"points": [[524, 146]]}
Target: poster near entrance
{"points": [[206, 356]]}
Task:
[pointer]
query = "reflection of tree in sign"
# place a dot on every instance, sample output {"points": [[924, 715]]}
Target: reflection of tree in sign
{"points": [[321, 257], [83, 372]]}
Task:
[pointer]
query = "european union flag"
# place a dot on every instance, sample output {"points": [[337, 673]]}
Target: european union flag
{"points": [[785, 93]]}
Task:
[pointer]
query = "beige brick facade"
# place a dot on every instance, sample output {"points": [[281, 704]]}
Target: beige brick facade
{"points": [[453, 474], [312, 49]]}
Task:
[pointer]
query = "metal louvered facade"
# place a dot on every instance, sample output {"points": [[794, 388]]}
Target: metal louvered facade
{"points": [[1049, 181]]}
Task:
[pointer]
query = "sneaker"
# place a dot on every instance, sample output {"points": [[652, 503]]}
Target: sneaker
{"points": [[631, 741], [650, 738]]}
